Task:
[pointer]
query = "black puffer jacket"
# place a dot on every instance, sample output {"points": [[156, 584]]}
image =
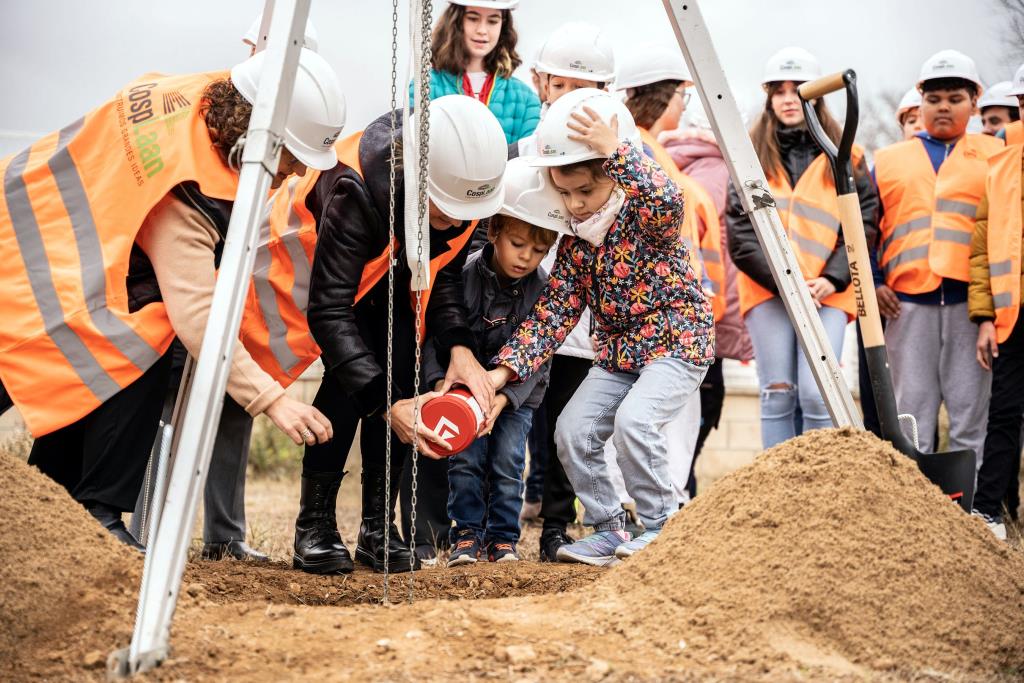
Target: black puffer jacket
{"points": [[798, 150], [352, 224]]}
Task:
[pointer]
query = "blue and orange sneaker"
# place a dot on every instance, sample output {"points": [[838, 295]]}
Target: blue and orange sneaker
{"points": [[466, 549], [502, 551], [597, 549]]}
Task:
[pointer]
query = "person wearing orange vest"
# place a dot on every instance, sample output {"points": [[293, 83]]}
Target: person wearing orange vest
{"points": [[655, 79], [930, 187], [994, 301], [801, 182], [109, 230], [348, 318]]}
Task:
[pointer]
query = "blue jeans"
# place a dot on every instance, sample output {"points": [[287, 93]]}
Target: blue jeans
{"points": [[782, 371], [485, 481], [635, 406], [538, 440]]}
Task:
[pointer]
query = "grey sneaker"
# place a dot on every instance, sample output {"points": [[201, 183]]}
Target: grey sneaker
{"points": [[994, 524], [597, 549], [628, 548]]}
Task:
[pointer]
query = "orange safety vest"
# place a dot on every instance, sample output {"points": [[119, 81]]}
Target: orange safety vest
{"points": [[1004, 236], [810, 214], [72, 205], [928, 220], [275, 330], [1015, 133], [705, 251]]}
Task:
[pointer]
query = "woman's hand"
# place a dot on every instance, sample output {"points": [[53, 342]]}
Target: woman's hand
{"points": [[821, 289], [402, 414], [987, 347], [888, 302], [464, 369], [499, 377], [591, 130], [302, 423], [500, 401]]}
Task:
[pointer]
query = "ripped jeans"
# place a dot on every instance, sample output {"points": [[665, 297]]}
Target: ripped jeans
{"points": [[782, 371]]}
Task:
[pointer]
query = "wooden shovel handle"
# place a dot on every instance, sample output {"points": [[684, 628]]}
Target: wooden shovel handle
{"points": [[822, 86], [860, 270]]}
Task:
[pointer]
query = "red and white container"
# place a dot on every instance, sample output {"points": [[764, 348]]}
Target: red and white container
{"points": [[456, 417]]}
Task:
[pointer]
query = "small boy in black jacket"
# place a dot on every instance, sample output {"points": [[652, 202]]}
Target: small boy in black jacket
{"points": [[501, 282]]}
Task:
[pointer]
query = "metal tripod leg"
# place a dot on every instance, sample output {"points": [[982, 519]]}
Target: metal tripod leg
{"points": [[749, 180], [166, 556]]}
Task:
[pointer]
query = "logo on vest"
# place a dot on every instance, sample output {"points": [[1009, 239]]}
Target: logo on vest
{"points": [[173, 101], [484, 190], [137, 111], [446, 429]]}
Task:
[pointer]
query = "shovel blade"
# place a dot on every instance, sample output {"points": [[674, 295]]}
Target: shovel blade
{"points": [[953, 472]]}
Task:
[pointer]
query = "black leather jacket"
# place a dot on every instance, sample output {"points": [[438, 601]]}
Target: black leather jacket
{"points": [[798, 150], [352, 225]]}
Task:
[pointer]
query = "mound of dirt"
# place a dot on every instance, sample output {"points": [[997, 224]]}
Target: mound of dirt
{"points": [[829, 550], [68, 589]]}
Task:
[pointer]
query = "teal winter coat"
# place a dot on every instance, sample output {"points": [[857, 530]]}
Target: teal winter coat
{"points": [[513, 103]]}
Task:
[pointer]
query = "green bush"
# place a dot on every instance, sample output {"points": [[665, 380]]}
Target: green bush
{"points": [[271, 453]]}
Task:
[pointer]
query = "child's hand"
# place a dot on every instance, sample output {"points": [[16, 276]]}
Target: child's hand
{"points": [[602, 137], [500, 401], [987, 346], [499, 376]]}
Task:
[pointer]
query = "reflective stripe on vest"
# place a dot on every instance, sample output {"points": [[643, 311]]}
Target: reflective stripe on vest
{"points": [[1003, 188], [72, 205], [810, 214], [704, 251], [929, 218]]}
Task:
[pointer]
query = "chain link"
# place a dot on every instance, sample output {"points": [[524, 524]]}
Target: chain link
{"points": [[391, 288], [422, 210]]}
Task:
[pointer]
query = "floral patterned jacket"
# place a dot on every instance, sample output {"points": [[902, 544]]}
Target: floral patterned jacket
{"points": [[646, 300]]}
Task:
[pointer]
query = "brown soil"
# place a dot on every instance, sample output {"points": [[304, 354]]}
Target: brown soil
{"points": [[830, 558]]}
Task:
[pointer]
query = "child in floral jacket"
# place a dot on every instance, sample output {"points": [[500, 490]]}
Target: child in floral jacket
{"points": [[654, 327]]}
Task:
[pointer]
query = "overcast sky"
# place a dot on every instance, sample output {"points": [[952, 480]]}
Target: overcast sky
{"points": [[59, 58]]}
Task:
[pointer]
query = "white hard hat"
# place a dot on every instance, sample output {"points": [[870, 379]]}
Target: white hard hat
{"points": [[530, 197], [998, 95], [791, 64], [911, 100], [487, 4], [578, 50], [317, 112], [651, 63], [553, 143], [950, 64], [1017, 84], [468, 153], [310, 40]]}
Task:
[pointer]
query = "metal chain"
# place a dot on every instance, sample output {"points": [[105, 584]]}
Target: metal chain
{"points": [[421, 214], [391, 288]]}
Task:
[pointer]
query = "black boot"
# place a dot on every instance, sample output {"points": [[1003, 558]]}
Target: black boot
{"points": [[110, 518], [318, 546], [370, 546]]}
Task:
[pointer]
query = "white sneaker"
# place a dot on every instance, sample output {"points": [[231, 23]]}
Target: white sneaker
{"points": [[994, 524], [629, 548]]}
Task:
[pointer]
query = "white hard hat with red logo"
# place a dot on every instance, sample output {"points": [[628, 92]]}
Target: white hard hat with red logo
{"points": [[791, 64], [950, 64], [316, 114]]}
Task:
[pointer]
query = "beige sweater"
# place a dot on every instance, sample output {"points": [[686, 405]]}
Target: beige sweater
{"points": [[180, 241]]}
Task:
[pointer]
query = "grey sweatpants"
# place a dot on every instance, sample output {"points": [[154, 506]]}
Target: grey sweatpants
{"points": [[931, 350]]}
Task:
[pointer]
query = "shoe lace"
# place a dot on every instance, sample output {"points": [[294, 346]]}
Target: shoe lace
{"points": [[504, 546], [465, 544]]}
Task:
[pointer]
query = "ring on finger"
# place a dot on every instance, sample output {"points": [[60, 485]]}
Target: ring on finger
{"points": [[306, 433]]}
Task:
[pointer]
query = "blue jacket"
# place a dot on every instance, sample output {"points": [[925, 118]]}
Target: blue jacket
{"points": [[513, 103]]}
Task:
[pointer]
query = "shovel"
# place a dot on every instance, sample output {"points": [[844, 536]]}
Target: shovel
{"points": [[953, 472]]}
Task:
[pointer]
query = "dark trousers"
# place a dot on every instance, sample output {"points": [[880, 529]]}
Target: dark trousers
{"points": [[1000, 466], [539, 454], [486, 481], [102, 457], [712, 396], [557, 505]]}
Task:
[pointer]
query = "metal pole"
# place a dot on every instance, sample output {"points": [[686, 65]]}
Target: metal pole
{"points": [[749, 179], [165, 562]]}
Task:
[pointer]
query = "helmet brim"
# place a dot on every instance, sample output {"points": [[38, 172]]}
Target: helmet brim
{"points": [[469, 211]]}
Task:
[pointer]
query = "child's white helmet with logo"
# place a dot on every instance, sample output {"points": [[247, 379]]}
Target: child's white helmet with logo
{"points": [[791, 64], [530, 197], [911, 100], [578, 50], [468, 153], [649, 63], [554, 148], [316, 114], [950, 64], [998, 95]]}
